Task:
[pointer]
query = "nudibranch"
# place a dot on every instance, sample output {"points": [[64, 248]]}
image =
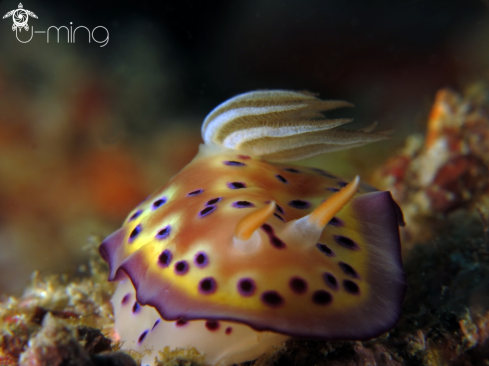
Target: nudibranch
{"points": [[242, 250]]}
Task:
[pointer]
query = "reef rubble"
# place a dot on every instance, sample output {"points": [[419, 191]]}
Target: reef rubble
{"points": [[441, 182]]}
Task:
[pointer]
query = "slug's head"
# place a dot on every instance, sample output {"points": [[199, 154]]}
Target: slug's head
{"points": [[234, 258]]}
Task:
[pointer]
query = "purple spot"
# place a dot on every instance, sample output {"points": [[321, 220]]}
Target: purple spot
{"points": [[236, 185], [272, 299], [292, 170], [298, 285], [300, 204], [156, 323], [268, 229], [208, 286], [346, 242], [195, 193], [212, 325], [136, 307], [330, 280], [165, 258], [229, 330], [180, 322], [181, 267], [280, 209], [277, 243], [351, 287], [164, 233], [348, 270], [201, 260], [323, 173], [213, 201], [207, 211], [135, 232], [322, 297], [282, 179], [333, 189], [234, 163], [246, 287], [159, 203], [342, 184], [242, 204], [325, 249], [135, 215], [142, 336], [244, 157], [125, 299], [335, 222], [279, 217]]}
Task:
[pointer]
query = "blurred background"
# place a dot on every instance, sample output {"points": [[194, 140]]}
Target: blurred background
{"points": [[87, 132]]}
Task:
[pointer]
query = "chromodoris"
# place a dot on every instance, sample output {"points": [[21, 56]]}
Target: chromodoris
{"points": [[242, 250]]}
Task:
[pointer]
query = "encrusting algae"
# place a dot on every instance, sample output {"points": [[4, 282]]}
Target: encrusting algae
{"points": [[444, 319]]}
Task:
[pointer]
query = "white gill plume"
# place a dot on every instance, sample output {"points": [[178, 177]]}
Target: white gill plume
{"points": [[282, 125]]}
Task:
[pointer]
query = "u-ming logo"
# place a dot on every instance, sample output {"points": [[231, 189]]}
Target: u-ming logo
{"points": [[20, 17]]}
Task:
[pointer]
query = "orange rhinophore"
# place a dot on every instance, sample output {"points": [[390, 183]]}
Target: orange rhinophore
{"points": [[236, 253]]}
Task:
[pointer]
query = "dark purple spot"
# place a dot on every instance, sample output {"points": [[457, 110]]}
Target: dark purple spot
{"points": [[279, 217], [282, 179], [280, 209], [342, 184], [213, 201], [277, 243], [246, 287], [292, 170], [236, 185], [207, 211], [195, 193], [181, 267], [201, 260], [212, 325], [125, 299], [180, 322], [208, 286], [298, 285], [136, 307], [142, 336], [322, 297], [156, 323], [229, 330], [267, 228], [300, 204], [234, 163], [335, 222], [325, 249], [159, 202], [242, 204], [272, 299], [165, 258], [323, 173], [244, 157], [135, 232], [333, 189], [346, 242], [351, 287], [348, 270], [330, 280], [164, 233], [135, 215]]}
